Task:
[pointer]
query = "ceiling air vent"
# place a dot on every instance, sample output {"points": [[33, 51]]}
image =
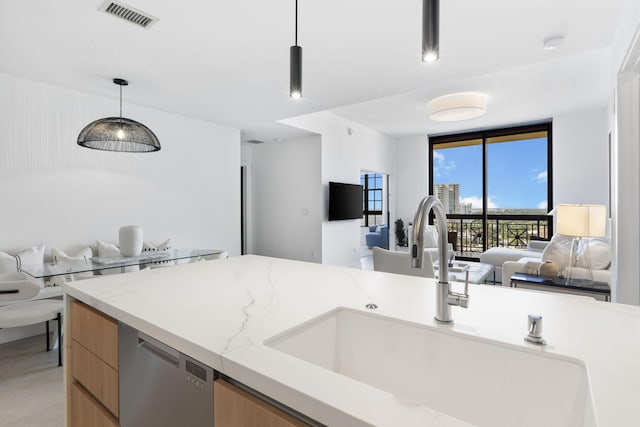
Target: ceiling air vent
{"points": [[255, 141], [128, 13]]}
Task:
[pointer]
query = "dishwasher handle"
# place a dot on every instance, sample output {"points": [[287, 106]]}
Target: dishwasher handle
{"points": [[159, 349]]}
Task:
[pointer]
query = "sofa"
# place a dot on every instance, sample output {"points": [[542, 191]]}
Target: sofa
{"points": [[595, 253], [378, 235], [498, 256]]}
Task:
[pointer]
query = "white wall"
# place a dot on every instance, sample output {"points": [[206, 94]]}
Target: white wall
{"points": [[625, 118], [58, 193], [580, 162], [344, 155], [287, 199], [581, 157], [246, 161], [412, 170]]}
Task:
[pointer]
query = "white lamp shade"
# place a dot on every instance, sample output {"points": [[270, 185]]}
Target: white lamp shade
{"points": [[457, 106], [582, 220]]}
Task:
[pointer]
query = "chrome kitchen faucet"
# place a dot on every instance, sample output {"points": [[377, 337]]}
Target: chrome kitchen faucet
{"points": [[444, 297]]}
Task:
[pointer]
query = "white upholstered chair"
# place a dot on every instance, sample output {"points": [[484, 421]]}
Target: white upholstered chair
{"points": [[400, 263], [18, 288]]}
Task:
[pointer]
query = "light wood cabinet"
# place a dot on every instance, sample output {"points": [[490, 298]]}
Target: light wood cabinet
{"points": [[86, 411], [96, 331], [94, 368], [93, 392], [234, 407], [96, 376]]}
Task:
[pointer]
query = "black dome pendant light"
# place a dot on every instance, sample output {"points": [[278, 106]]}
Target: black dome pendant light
{"points": [[295, 66], [118, 133], [430, 30]]}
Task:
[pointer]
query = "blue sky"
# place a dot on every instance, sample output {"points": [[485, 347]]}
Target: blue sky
{"points": [[517, 176]]}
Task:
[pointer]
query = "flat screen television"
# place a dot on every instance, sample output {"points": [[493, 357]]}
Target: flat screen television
{"points": [[345, 201]]}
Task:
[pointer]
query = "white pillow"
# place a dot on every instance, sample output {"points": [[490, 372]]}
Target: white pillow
{"points": [[430, 237], [82, 255], [108, 250], [33, 255], [558, 251], [164, 246], [599, 255]]}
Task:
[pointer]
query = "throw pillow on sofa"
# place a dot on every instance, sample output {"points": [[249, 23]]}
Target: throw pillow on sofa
{"points": [[107, 250], [11, 263], [59, 256], [164, 246], [110, 250], [150, 247], [558, 251], [83, 255], [595, 254]]}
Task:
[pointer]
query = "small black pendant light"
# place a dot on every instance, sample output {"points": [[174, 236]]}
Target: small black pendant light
{"points": [[118, 133], [295, 66], [430, 30]]}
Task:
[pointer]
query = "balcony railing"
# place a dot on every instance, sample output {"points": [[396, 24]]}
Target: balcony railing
{"points": [[507, 231]]}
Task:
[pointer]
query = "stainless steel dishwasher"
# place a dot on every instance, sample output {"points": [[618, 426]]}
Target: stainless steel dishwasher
{"points": [[160, 386]]}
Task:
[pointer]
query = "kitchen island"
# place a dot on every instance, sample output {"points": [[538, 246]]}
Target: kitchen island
{"points": [[222, 312]]}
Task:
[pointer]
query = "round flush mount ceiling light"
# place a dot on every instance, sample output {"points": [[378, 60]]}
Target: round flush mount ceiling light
{"points": [[553, 42], [457, 106]]}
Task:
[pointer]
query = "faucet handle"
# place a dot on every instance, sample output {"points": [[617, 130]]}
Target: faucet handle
{"points": [[460, 300], [535, 330]]}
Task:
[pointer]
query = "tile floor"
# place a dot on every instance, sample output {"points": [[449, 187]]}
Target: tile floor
{"points": [[31, 385]]}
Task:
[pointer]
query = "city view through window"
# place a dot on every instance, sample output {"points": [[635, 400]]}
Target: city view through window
{"points": [[517, 177], [373, 199], [495, 186]]}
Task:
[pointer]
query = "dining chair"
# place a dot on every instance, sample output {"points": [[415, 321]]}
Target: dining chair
{"points": [[18, 289], [400, 263]]}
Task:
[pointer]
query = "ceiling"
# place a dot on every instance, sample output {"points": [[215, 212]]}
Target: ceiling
{"points": [[227, 61]]}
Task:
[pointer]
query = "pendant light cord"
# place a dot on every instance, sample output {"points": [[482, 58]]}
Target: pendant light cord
{"points": [[296, 22], [120, 103]]}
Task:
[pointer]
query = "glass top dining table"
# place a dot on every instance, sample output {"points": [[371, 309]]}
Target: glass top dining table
{"points": [[97, 264]]}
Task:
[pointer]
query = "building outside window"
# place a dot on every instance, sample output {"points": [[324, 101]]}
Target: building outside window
{"points": [[495, 185]]}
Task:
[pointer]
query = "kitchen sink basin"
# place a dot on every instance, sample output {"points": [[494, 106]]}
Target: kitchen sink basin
{"points": [[476, 380]]}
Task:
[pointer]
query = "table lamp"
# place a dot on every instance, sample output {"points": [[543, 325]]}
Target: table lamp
{"points": [[580, 221]]}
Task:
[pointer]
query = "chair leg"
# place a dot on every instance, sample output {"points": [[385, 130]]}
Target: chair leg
{"points": [[48, 348], [59, 339]]}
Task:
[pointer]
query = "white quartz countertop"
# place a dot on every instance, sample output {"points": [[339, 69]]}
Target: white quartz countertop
{"points": [[220, 312]]}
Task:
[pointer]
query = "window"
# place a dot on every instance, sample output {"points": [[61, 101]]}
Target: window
{"points": [[373, 187], [495, 186]]}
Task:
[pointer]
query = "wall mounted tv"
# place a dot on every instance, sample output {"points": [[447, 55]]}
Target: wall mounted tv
{"points": [[345, 201]]}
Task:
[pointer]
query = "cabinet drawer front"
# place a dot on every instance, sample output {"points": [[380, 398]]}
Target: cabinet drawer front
{"points": [[87, 412], [236, 408], [100, 379], [96, 332]]}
